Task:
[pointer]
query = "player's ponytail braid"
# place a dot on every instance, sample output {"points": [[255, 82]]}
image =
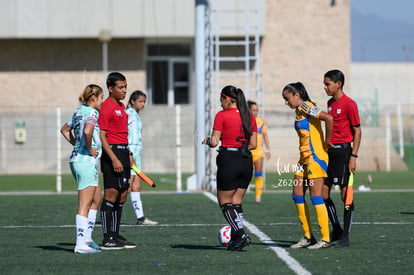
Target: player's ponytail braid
{"points": [[302, 91], [237, 95], [244, 113]]}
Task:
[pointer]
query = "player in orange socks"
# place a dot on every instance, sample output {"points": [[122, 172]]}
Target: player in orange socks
{"points": [[258, 153], [313, 162]]}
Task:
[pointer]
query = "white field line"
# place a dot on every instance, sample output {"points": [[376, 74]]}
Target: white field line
{"points": [[10, 193], [192, 225], [292, 263], [122, 225]]}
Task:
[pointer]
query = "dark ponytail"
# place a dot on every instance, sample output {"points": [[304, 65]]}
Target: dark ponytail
{"points": [[244, 113], [298, 87], [237, 95]]}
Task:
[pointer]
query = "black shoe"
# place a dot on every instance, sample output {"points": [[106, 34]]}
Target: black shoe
{"points": [[125, 243], [111, 244], [336, 235], [239, 244], [343, 242]]}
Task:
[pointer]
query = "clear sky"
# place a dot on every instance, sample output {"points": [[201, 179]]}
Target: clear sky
{"points": [[382, 30], [400, 10]]}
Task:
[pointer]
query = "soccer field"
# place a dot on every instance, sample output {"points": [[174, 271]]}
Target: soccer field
{"points": [[39, 236]]}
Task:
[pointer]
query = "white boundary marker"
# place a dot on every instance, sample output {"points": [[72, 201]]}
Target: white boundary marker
{"points": [[191, 225], [292, 263]]}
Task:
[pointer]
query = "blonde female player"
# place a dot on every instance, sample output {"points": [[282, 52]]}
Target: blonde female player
{"points": [[82, 131], [136, 103], [313, 162], [258, 153]]}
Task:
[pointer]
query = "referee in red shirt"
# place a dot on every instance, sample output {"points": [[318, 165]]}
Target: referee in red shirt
{"points": [[346, 138], [115, 161], [236, 127]]}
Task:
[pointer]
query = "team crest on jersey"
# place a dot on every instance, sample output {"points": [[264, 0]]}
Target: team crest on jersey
{"points": [[338, 111], [118, 113]]}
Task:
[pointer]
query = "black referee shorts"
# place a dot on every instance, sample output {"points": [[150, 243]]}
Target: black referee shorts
{"points": [[233, 170], [112, 179], [338, 166]]}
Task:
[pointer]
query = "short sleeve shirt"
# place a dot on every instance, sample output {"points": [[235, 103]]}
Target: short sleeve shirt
{"points": [[228, 122], [308, 128], [345, 115], [261, 129], [134, 128], [82, 116], [114, 120]]}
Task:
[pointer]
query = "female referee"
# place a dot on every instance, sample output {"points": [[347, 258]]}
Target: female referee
{"points": [[237, 130], [313, 162], [87, 149]]}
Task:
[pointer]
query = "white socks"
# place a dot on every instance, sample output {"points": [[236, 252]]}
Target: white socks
{"points": [[137, 204], [91, 224], [81, 228]]}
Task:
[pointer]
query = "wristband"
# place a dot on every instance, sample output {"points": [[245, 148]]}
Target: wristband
{"points": [[354, 155]]}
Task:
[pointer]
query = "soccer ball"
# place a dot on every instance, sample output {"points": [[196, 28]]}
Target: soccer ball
{"points": [[224, 235]]}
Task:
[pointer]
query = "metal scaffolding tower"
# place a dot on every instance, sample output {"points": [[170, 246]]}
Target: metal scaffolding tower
{"points": [[234, 55], [236, 48]]}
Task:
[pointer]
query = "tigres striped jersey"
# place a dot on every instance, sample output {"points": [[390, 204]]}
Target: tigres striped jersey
{"points": [[311, 141]]}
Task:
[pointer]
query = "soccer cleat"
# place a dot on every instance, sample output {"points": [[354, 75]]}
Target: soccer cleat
{"points": [[319, 245], [145, 221], [111, 244], [85, 249], [343, 242], [304, 242], [258, 200], [239, 244], [125, 243], [94, 245]]}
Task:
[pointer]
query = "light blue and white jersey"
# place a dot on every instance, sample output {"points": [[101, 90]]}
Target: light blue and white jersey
{"points": [[134, 128], [134, 136], [83, 115]]}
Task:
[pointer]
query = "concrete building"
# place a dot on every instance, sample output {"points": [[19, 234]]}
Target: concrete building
{"points": [[51, 49]]}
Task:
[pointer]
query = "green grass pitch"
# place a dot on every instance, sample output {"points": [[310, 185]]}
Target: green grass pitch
{"points": [[39, 233]]}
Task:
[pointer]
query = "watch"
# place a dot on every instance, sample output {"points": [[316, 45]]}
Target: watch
{"points": [[354, 155]]}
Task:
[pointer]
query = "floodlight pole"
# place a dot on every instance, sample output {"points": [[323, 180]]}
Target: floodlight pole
{"points": [[105, 37], [200, 71]]}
